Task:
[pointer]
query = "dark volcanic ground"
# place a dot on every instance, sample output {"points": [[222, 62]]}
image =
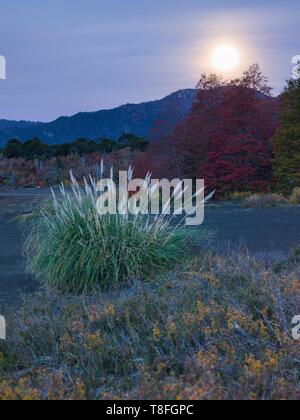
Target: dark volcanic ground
{"points": [[13, 279], [270, 233]]}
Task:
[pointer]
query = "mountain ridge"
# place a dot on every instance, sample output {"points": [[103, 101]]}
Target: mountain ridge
{"points": [[137, 119]]}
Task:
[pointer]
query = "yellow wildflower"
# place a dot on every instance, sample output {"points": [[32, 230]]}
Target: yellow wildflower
{"points": [[94, 341], [110, 311], [254, 366], [156, 333], [202, 310], [171, 328]]}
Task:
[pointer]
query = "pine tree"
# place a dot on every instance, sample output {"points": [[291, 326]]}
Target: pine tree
{"points": [[286, 141]]}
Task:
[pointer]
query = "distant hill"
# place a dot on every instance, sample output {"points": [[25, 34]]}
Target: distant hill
{"points": [[11, 129], [137, 119]]}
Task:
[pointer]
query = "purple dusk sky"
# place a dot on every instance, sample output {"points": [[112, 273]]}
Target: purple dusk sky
{"points": [[66, 56]]}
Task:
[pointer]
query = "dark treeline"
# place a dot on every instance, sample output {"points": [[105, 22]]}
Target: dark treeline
{"points": [[36, 149]]}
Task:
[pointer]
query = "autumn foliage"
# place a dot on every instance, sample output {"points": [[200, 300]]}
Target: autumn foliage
{"points": [[19, 172], [225, 139]]}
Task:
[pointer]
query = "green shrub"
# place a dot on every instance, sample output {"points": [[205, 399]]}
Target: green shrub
{"points": [[72, 248], [285, 141], [295, 197], [265, 201]]}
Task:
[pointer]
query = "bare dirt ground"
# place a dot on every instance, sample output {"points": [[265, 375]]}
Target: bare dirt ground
{"points": [[13, 277], [270, 233]]}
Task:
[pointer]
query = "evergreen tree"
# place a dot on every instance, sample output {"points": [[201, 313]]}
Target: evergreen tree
{"points": [[286, 141], [13, 149]]}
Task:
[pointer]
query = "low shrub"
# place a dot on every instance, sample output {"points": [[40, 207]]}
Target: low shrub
{"points": [[295, 197], [219, 328], [238, 196], [265, 201], [72, 248]]}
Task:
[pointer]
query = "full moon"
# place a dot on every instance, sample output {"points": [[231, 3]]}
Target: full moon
{"points": [[225, 58]]}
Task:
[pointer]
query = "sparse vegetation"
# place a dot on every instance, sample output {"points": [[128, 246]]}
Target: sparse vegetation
{"points": [[35, 164], [265, 201], [295, 197], [219, 328], [238, 196]]}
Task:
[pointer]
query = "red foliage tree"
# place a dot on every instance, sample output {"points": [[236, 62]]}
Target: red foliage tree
{"points": [[225, 138]]}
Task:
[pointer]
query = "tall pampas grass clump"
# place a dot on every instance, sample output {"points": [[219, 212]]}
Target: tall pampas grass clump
{"points": [[72, 248]]}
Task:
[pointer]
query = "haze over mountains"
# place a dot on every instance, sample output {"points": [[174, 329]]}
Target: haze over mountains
{"points": [[137, 119]]}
